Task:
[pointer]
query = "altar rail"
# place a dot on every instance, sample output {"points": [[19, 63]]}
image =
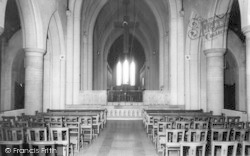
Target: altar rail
{"points": [[125, 96]]}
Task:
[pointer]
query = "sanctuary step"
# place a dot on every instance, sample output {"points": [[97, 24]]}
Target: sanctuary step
{"points": [[125, 110]]}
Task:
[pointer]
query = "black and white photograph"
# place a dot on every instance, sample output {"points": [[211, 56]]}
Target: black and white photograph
{"points": [[124, 78]]}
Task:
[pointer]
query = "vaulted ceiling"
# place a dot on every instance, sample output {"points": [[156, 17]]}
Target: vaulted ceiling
{"points": [[138, 11]]}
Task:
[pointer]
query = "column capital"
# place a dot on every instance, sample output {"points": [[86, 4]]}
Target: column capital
{"points": [[215, 52], [246, 29], [34, 51], [1, 30]]}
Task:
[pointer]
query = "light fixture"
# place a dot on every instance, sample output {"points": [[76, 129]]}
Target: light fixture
{"points": [[126, 66]]}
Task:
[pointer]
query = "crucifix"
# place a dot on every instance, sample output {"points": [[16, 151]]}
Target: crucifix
{"points": [[126, 24]]}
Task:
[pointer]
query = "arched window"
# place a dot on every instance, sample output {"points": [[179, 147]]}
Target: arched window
{"points": [[119, 74], [125, 72], [132, 73]]}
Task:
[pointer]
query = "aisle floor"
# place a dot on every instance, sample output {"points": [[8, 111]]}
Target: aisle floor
{"points": [[121, 138]]}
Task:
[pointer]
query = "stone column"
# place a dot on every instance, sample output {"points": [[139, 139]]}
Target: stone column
{"points": [[246, 31], [33, 80], [215, 79]]}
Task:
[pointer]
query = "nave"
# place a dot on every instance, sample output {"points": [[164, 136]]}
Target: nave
{"points": [[121, 138]]}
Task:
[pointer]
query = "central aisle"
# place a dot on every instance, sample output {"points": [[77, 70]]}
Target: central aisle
{"points": [[121, 138]]}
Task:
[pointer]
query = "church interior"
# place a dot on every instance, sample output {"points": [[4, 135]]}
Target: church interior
{"points": [[125, 77]]}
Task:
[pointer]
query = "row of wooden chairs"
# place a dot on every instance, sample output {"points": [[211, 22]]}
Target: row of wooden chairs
{"points": [[195, 142], [82, 127], [37, 137], [157, 124]]}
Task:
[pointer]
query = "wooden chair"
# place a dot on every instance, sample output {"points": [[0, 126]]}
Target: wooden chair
{"points": [[12, 137], [174, 139], [202, 118], [10, 119], [149, 124], [156, 119], [217, 118], [242, 137], [39, 137], [37, 119], [96, 124], [86, 126], [220, 138], [60, 136], [24, 124], [199, 125], [237, 125], [161, 134], [233, 119], [173, 118], [55, 124], [74, 133], [182, 124], [55, 121], [196, 141], [70, 118], [247, 125], [224, 151], [5, 124], [218, 125]]}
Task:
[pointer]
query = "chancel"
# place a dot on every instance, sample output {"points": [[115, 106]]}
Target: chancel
{"points": [[125, 77], [126, 88]]}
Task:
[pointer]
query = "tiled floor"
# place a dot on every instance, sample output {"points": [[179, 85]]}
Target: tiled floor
{"points": [[121, 138]]}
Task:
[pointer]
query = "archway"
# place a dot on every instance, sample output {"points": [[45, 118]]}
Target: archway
{"points": [[230, 81], [17, 82], [12, 60], [116, 54], [105, 33]]}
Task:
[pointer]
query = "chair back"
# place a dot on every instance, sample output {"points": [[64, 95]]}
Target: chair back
{"points": [[182, 124], [220, 134], [197, 135], [240, 135], [37, 134], [10, 119], [219, 125], [60, 135], [217, 118], [5, 124], [157, 119], [162, 126], [21, 123], [199, 125], [187, 118], [56, 119], [70, 119], [173, 118], [14, 134], [233, 119], [86, 121], [175, 135]]}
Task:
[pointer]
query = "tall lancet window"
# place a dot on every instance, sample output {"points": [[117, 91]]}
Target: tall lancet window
{"points": [[119, 74], [125, 72], [132, 73]]}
